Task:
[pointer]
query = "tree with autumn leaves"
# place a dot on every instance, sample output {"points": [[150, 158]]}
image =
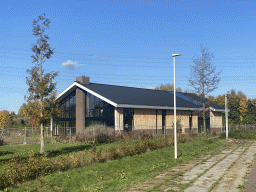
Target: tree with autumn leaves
{"points": [[242, 110], [41, 102], [5, 119]]}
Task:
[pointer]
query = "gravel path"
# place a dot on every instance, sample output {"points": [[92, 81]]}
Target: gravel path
{"points": [[221, 172], [250, 183]]}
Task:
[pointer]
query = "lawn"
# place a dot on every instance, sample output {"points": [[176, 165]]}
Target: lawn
{"points": [[113, 175]]}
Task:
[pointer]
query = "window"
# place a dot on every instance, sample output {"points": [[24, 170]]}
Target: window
{"points": [[68, 114], [97, 107], [91, 101], [99, 112]]}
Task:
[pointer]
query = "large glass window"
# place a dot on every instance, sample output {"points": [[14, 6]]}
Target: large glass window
{"points": [[68, 114], [100, 112]]}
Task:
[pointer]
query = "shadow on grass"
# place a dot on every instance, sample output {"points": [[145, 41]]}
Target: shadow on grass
{"points": [[68, 150], [5, 153], [48, 153]]}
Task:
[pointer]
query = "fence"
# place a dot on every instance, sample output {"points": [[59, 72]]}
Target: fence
{"points": [[30, 135], [22, 135], [142, 129], [242, 127]]}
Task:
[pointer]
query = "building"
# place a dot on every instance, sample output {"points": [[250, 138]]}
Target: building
{"points": [[128, 108]]}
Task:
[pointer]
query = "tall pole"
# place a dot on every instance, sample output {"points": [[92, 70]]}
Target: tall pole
{"points": [[175, 129], [226, 113]]}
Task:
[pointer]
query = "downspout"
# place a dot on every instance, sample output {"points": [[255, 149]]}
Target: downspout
{"points": [[119, 118], [156, 121]]}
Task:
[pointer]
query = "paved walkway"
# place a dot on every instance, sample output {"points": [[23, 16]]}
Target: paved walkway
{"points": [[221, 172]]}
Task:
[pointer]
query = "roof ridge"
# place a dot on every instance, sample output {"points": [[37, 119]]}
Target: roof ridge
{"points": [[129, 87]]}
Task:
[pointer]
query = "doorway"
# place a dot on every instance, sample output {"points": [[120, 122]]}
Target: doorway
{"points": [[128, 118], [163, 120]]}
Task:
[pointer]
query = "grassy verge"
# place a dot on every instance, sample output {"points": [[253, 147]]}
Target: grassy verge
{"points": [[240, 134], [116, 175]]}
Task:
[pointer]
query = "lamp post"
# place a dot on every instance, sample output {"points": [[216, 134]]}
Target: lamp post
{"points": [[226, 113], [175, 130]]}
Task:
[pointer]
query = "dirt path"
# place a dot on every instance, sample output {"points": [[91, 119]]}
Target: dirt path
{"points": [[221, 172]]}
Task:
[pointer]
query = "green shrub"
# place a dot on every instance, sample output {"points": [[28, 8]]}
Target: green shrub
{"points": [[110, 154], [239, 134], [183, 138], [37, 166], [208, 141], [16, 170], [126, 150], [140, 148], [94, 156]]}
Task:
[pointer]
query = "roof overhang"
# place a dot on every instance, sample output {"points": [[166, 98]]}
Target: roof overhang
{"points": [[218, 110], [73, 87]]}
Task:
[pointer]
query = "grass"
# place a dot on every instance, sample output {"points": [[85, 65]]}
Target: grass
{"points": [[113, 175]]}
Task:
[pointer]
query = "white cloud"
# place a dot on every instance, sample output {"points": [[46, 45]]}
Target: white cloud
{"points": [[70, 65]]}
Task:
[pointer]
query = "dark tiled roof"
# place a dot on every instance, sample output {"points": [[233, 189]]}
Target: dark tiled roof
{"points": [[139, 96], [198, 99]]}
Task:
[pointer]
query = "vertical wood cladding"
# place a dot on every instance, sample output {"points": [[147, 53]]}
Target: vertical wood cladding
{"points": [[144, 117], [159, 119], [119, 119], [215, 119]]}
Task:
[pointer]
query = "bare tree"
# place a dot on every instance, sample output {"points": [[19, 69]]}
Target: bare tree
{"points": [[40, 87], [203, 77]]}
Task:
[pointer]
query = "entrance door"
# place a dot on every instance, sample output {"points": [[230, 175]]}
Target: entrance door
{"points": [[128, 119], [163, 120], [200, 124]]}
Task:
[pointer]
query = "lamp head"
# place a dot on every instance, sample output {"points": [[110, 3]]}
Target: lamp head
{"points": [[174, 55]]}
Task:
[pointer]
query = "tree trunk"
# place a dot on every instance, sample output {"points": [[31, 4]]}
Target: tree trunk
{"points": [[42, 150], [204, 127]]}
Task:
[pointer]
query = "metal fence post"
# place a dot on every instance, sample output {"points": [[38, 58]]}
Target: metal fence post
{"points": [[93, 133], [69, 134], [25, 136], [164, 131], [201, 129]]}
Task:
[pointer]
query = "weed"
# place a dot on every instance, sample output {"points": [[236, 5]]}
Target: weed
{"points": [[240, 186]]}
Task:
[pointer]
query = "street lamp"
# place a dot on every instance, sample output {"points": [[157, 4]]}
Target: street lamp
{"points": [[226, 113], [175, 130]]}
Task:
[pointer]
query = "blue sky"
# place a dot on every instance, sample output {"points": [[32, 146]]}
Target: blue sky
{"points": [[128, 43]]}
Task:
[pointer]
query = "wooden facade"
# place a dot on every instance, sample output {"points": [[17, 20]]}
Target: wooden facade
{"points": [[151, 119]]}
